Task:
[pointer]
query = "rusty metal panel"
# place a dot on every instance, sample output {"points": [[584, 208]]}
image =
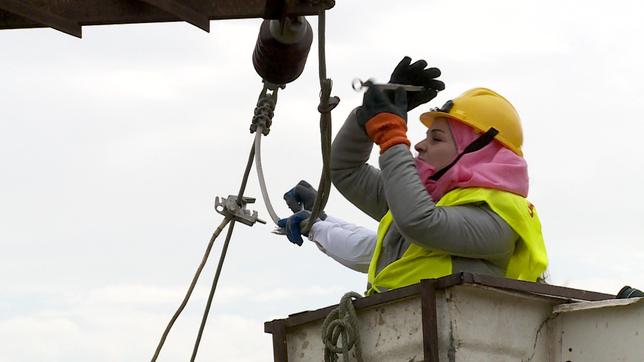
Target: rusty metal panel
{"points": [[104, 12], [472, 323], [610, 330], [478, 323], [533, 288], [278, 330], [429, 320], [388, 332], [464, 317]]}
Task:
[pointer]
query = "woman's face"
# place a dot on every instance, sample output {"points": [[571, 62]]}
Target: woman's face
{"points": [[438, 149]]}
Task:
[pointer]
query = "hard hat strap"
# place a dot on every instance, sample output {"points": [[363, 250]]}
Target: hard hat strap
{"points": [[482, 141]]}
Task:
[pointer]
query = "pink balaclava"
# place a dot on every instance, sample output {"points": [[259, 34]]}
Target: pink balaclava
{"points": [[494, 166]]}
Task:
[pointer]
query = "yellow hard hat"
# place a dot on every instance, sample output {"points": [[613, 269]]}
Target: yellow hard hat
{"points": [[482, 109]]}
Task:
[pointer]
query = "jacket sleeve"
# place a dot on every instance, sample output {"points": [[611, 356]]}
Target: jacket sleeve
{"points": [[471, 231], [350, 245], [356, 180]]}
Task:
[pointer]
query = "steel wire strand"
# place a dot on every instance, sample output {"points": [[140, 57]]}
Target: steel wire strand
{"points": [[191, 288], [322, 45], [324, 186], [220, 265], [260, 175], [222, 257], [249, 165], [205, 258], [320, 201]]}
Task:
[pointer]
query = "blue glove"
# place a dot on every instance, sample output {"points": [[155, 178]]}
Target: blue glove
{"points": [[292, 226]]}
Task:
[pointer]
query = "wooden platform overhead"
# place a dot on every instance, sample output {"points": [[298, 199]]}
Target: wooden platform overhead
{"points": [[69, 16]]}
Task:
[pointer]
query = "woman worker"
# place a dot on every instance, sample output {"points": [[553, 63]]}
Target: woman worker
{"points": [[459, 206]]}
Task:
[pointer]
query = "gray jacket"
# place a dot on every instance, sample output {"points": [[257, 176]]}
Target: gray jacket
{"points": [[478, 239]]}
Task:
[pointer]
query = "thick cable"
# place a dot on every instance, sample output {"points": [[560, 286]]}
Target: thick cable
{"points": [[323, 191], [191, 288], [260, 175], [220, 265], [249, 165], [218, 231], [321, 45], [342, 322], [325, 107], [222, 257]]}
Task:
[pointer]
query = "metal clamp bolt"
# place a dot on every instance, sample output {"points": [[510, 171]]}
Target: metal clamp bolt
{"points": [[230, 208]]}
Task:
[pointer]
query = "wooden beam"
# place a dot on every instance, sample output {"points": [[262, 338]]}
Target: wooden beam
{"points": [[107, 12], [183, 12], [41, 16]]}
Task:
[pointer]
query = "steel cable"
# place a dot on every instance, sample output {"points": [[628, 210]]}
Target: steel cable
{"points": [[260, 175], [191, 288], [327, 103], [204, 318], [220, 265], [195, 278]]}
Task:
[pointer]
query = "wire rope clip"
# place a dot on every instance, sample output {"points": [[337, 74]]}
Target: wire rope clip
{"points": [[265, 108], [230, 208], [359, 85]]}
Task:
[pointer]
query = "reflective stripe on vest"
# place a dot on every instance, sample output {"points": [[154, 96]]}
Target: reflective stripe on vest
{"points": [[528, 262]]}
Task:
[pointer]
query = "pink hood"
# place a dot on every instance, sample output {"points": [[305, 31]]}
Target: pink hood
{"points": [[494, 166]]}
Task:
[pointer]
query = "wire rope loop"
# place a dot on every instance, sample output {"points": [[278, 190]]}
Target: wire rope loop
{"points": [[260, 175]]}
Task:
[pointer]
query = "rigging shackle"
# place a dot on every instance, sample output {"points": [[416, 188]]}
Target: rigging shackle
{"points": [[282, 48]]}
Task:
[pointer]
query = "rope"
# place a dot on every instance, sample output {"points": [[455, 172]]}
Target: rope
{"points": [[190, 289], [327, 103], [249, 164], [220, 265], [342, 322], [212, 291], [203, 263], [262, 120]]}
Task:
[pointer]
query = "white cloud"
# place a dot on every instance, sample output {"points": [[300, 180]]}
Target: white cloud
{"points": [[119, 323], [111, 335]]}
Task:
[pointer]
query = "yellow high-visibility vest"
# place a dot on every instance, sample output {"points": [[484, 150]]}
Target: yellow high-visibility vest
{"points": [[528, 262]]}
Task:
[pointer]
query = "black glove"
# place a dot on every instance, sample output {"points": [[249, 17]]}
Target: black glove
{"points": [[417, 74], [375, 101], [302, 197]]}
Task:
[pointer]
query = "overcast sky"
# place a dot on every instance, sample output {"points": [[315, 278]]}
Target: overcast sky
{"points": [[113, 148]]}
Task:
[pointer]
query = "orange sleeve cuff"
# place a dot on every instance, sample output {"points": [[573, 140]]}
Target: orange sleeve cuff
{"points": [[387, 130]]}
